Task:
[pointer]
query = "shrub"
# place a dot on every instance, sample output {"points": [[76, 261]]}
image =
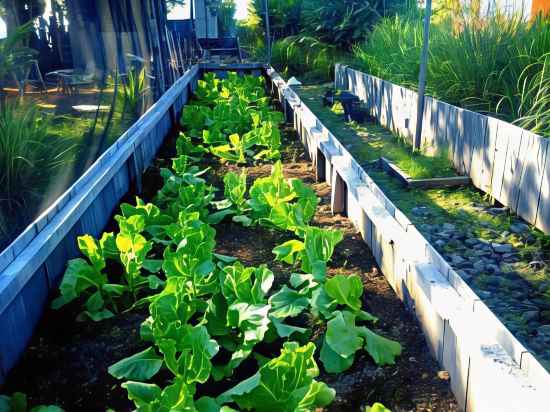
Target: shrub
{"points": [[29, 159]]}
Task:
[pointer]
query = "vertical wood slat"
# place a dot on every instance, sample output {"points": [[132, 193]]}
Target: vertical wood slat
{"points": [[532, 176], [513, 167]]}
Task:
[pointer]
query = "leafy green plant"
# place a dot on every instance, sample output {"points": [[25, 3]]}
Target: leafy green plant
{"points": [[377, 407], [133, 92], [14, 56], [286, 383], [499, 67], [286, 204], [313, 252], [87, 279], [343, 338], [231, 117], [242, 316]]}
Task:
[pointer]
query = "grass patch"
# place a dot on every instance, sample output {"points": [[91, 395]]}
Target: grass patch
{"points": [[367, 142]]}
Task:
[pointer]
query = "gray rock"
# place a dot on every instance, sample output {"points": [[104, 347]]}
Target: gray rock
{"points": [[544, 330], [420, 211], [440, 243], [492, 280], [497, 210], [449, 227], [519, 228], [531, 315], [471, 242], [494, 269], [502, 247], [457, 259], [479, 266], [464, 275]]}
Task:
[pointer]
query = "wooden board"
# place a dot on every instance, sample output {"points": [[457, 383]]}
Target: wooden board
{"points": [[513, 168], [531, 176], [499, 161], [543, 210]]}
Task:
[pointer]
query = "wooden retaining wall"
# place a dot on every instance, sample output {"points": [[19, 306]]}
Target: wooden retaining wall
{"points": [[507, 162], [490, 370], [31, 267]]}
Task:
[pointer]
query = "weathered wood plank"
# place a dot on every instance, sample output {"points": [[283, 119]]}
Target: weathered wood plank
{"points": [[531, 176], [515, 158], [499, 162], [19, 319], [543, 210]]}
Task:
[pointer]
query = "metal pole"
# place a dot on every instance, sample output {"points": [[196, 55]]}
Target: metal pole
{"points": [[267, 32], [422, 76]]}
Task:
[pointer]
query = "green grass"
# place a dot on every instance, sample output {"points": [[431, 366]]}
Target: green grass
{"points": [[368, 142]]}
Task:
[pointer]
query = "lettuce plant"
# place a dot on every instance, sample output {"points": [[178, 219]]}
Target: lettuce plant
{"points": [[284, 384], [286, 204], [86, 277]]}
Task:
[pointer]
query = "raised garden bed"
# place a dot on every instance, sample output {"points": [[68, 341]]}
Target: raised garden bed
{"points": [[65, 353], [452, 214], [393, 170], [504, 260]]}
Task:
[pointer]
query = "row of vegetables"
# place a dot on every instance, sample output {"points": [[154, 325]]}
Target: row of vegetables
{"points": [[208, 312]]}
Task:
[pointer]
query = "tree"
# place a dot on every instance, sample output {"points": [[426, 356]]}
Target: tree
{"points": [[284, 16], [344, 22]]}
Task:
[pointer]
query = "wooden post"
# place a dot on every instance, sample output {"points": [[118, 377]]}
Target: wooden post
{"points": [[422, 76]]}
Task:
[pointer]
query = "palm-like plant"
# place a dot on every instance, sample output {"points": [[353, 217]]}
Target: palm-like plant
{"points": [[133, 92], [13, 54]]}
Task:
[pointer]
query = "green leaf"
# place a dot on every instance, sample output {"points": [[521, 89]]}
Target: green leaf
{"points": [[333, 362], [189, 354], [284, 330], [288, 251], [141, 366], [342, 335], [152, 265], [287, 302], [383, 350], [284, 384], [377, 407], [142, 394], [321, 303], [346, 290]]}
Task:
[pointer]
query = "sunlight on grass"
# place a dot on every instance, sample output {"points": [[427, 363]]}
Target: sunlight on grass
{"points": [[368, 142]]}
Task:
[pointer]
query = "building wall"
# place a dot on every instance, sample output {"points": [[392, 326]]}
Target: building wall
{"points": [[200, 21]]}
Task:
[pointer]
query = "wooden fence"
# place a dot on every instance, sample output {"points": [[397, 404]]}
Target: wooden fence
{"points": [[509, 163], [490, 370]]}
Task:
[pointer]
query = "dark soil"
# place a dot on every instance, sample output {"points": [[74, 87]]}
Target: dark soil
{"points": [[66, 362]]}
